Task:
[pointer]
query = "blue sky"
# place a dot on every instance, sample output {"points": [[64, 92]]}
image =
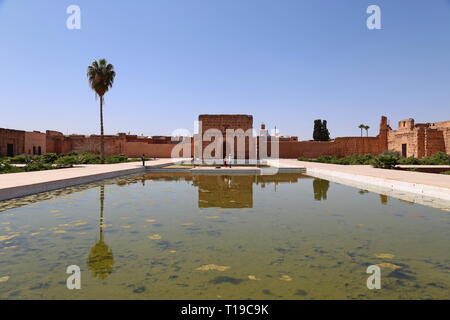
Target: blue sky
{"points": [[286, 62]]}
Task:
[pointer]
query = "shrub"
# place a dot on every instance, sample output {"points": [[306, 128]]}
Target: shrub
{"points": [[21, 159], [6, 167], [49, 157], [88, 158], [436, 159], [355, 159], [327, 159], [37, 165], [71, 154], [67, 160], [391, 153], [410, 160], [446, 172], [385, 161], [117, 159], [305, 159]]}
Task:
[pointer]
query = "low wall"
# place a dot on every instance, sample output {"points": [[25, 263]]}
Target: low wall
{"points": [[339, 147], [137, 149]]}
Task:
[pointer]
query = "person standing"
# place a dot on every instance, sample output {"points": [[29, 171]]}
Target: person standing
{"points": [[143, 160]]}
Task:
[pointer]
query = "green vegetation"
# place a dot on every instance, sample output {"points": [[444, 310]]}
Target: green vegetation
{"points": [[446, 172], [117, 159], [31, 164], [101, 76], [56, 161], [439, 158], [6, 167], [321, 132], [386, 160], [349, 160]]}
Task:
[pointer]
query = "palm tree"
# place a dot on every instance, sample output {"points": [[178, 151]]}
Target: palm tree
{"points": [[367, 130], [361, 126], [101, 77]]}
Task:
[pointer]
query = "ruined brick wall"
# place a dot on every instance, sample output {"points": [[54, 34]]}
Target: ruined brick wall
{"points": [[440, 125], [340, 147], [222, 122], [131, 146], [446, 136], [56, 142], [397, 138], [444, 127], [15, 139], [35, 143], [434, 142], [153, 150], [421, 140]]}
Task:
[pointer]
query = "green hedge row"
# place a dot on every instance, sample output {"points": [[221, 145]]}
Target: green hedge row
{"points": [[386, 160], [54, 161], [66, 159]]}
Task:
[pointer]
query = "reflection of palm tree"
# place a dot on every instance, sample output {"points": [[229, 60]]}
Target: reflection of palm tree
{"points": [[101, 259], [320, 189]]}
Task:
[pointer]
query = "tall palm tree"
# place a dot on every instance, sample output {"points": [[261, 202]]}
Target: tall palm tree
{"points": [[101, 76], [361, 126], [367, 130]]}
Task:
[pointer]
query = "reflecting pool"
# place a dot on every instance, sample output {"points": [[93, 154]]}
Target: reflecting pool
{"points": [[180, 236]]}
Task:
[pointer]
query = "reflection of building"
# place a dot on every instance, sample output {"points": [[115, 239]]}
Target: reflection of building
{"points": [[225, 191], [236, 191]]}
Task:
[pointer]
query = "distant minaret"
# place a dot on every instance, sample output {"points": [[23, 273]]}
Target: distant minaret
{"points": [[263, 132]]}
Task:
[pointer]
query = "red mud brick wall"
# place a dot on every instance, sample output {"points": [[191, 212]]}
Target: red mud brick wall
{"points": [[339, 147]]}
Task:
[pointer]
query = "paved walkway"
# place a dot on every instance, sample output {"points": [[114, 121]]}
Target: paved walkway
{"points": [[20, 184]]}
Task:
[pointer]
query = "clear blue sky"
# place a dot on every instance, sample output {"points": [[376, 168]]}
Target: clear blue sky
{"points": [[286, 62]]}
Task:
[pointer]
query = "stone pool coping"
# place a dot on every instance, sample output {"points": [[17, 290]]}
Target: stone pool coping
{"points": [[15, 185], [423, 188]]}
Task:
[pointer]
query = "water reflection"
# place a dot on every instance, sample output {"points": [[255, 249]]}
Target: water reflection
{"points": [[101, 259], [225, 191], [384, 199], [320, 187]]}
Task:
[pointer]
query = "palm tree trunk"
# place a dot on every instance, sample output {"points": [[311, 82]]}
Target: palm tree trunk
{"points": [[102, 219], [102, 142], [361, 132]]}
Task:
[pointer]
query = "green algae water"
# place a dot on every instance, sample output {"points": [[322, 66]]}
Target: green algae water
{"points": [[178, 236]]}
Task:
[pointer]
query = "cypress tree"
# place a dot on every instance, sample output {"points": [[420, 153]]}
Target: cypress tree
{"points": [[324, 133], [317, 130]]}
